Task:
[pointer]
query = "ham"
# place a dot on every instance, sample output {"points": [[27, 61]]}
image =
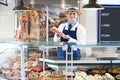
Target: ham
{"points": [[55, 30]]}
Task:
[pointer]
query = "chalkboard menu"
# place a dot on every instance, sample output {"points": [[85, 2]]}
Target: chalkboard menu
{"points": [[109, 24]]}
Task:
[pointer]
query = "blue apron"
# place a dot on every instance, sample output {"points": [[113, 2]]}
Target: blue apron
{"points": [[62, 53]]}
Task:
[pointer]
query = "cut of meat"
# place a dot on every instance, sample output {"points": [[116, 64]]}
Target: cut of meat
{"points": [[55, 30]]}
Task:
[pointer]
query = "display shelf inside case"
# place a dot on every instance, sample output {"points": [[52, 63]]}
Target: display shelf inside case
{"points": [[60, 64], [90, 60]]}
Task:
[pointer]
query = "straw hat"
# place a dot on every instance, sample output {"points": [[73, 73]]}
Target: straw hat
{"points": [[73, 9]]}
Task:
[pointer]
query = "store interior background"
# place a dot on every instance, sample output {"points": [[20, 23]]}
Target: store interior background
{"points": [[88, 19]]}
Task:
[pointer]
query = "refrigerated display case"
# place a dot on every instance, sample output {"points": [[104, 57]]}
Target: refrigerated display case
{"points": [[10, 61], [36, 64], [49, 66], [36, 58], [41, 61]]}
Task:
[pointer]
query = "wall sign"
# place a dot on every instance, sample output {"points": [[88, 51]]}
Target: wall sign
{"points": [[4, 2], [109, 24]]}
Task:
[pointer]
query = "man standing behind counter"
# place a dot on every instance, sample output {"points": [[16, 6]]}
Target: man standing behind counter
{"points": [[74, 33]]}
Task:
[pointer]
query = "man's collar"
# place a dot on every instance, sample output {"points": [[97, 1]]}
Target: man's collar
{"points": [[73, 23]]}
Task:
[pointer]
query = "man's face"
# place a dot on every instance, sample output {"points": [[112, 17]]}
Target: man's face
{"points": [[72, 15]]}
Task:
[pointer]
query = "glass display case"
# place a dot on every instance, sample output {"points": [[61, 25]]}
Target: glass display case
{"points": [[42, 62], [39, 56], [35, 55], [10, 61]]}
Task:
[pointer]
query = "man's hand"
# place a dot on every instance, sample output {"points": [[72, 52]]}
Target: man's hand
{"points": [[66, 37]]}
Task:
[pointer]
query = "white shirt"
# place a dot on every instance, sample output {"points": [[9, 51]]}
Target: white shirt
{"points": [[81, 33]]}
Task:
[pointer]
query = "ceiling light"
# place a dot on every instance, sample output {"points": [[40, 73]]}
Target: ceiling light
{"points": [[21, 7], [93, 5]]}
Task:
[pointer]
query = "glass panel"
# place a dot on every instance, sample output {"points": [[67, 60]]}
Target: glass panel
{"points": [[10, 63], [35, 27]]}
